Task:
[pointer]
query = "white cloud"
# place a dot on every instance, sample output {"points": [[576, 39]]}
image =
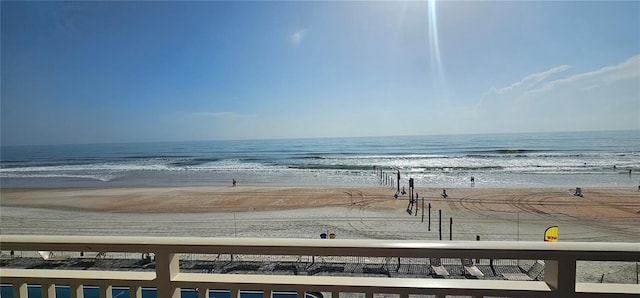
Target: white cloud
{"points": [[533, 79], [297, 37], [628, 69], [605, 98], [497, 95]]}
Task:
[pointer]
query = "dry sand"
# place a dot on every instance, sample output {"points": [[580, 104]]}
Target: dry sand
{"points": [[603, 214]]}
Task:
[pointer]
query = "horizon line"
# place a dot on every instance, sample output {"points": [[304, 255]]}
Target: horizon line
{"points": [[319, 138]]}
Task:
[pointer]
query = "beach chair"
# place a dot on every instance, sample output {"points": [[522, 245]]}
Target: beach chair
{"points": [[536, 270], [531, 274], [437, 268], [92, 255], [50, 256], [471, 269], [7, 255]]}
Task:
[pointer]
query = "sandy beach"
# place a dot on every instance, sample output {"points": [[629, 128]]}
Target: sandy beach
{"points": [[603, 214]]}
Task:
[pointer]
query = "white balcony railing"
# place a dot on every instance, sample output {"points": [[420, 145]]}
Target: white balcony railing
{"points": [[559, 276]]}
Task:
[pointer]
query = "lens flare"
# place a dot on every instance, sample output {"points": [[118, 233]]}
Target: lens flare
{"points": [[436, 61]]}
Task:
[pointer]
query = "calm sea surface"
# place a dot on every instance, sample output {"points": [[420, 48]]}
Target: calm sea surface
{"points": [[495, 160]]}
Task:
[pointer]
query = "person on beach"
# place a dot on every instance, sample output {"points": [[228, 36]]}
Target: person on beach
{"points": [[234, 182], [473, 181]]}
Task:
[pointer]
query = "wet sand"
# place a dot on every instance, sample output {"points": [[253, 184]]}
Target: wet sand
{"points": [[596, 202]]}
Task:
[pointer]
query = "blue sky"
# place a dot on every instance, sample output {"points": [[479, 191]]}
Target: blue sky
{"points": [[96, 72]]}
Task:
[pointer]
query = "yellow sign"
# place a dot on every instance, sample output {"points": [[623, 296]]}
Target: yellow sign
{"points": [[551, 234]]}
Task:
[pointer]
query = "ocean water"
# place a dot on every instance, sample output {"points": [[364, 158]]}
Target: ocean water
{"points": [[495, 160]]}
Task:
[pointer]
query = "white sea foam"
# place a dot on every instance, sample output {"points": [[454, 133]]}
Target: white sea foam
{"points": [[495, 160]]}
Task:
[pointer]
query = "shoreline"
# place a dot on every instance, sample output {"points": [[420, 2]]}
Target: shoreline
{"points": [[22, 183]]}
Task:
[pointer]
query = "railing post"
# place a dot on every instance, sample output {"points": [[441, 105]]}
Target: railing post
{"points": [[106, 291], [167, 267], [203, 292], [234, 293], [48, 291], [135, 291], [76, 291], [20, 290], [560, 275]]}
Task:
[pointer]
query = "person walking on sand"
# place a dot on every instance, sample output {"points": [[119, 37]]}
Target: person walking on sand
{"points": [[234, 182], [473, 181]]}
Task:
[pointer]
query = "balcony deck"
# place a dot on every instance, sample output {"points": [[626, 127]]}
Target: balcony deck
{"points": [[170, 273]]}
